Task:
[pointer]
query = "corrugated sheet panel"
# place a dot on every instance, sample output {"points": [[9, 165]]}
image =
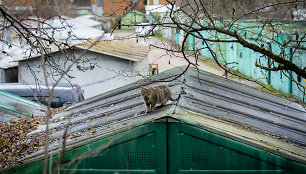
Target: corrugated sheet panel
{"points": [[117, 48], [203, 96], [12, 106]]}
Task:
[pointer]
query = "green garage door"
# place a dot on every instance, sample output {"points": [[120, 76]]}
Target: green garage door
{"points": [[169, 148], [142, 150], [194, 150]]}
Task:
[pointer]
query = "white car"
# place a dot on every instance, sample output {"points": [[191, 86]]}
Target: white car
{"points": [[144, 29]]}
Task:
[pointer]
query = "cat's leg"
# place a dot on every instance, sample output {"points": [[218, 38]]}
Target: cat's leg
{"points": [[152, 107], [148, 108], [164, 103]]}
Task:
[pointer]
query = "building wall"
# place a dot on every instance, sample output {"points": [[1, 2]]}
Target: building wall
{"points": [[116, 7], [156, 2], [141, 68], [16, 3], [104, 74], [2, 75], [132, 18], [119, 7]]}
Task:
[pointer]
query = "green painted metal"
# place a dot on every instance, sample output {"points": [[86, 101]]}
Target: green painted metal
{"points": [[220, 49], [167, 29], [132, 18], [297, 90], [168, 147], [279, 80], [245, 59], [195, 150], [191, 43], [177, 35], [231, 53], [205, 51], [140, 150], [207, 34], [11, 110], [256, 72], [14, 106]]}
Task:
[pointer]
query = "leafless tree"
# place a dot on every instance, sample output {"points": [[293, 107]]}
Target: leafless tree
{"points": [[37, 36], [211, 22], [36, 32], [271, 29]]}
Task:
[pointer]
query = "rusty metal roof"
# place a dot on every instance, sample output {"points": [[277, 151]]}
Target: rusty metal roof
{"points": [[208, 101], [117, 48]]}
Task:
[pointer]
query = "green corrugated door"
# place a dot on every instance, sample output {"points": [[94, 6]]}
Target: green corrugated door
{"points": [[244, 60], [194, 150], [142, 150], [169, 148], [279, 80], [177, 35], [231, 55], [139, 150], [191, 42], [300, 60]]}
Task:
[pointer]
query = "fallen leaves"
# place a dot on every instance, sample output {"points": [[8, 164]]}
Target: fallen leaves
{"points": [[15, 143]]}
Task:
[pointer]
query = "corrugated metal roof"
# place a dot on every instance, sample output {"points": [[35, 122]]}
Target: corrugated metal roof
{"points": [[87, 20], [117, 48], [208, 101], [121, 49], [13, 106], [10, 55]]}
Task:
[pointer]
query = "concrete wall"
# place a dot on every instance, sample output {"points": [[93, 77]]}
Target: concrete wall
{"points": [[103, 74], [2, 75], [156, 2], [141, 69]]}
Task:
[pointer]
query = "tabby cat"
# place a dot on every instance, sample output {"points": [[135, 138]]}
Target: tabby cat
{"points": [[159, 94]]}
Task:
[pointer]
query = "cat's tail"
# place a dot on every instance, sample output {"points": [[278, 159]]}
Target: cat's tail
{"points": [[175, 99], [179, 96]]}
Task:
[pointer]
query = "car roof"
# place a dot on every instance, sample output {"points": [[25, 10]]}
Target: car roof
{"points": [[25, 86]]}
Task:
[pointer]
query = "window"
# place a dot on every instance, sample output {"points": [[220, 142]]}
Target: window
{"points": [[99, 3], [82, 3], [155, 2], [153, 69]]}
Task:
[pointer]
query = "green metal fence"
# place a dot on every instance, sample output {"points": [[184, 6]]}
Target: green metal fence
{"points": [[243, 59]]}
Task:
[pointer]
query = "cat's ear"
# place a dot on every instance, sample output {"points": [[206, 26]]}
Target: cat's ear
{"points": [[143, 88]]}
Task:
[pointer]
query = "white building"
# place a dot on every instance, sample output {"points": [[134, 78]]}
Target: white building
{"points": [[73, 30], [105, 66], [9, 68], [87, 20]]}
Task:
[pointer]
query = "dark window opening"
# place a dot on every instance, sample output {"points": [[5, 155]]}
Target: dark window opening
{"points": [[82, 3]]}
